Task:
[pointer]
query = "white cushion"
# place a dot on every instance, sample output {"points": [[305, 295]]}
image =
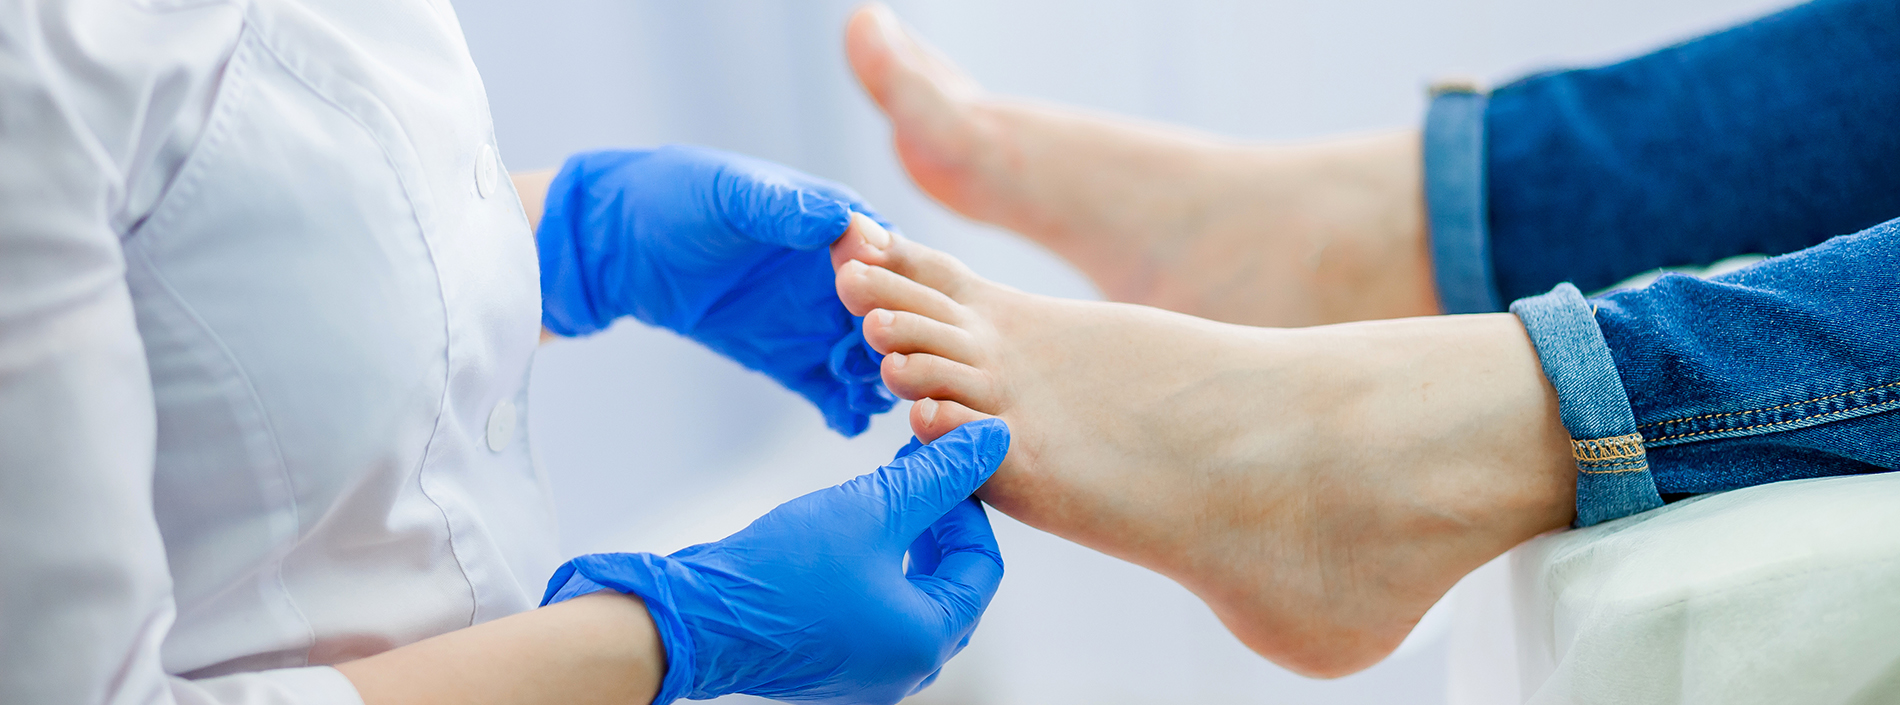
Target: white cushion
{"points": [[1782, 593]]}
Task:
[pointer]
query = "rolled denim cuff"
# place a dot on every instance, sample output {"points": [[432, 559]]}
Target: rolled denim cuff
{"points": [[1613, 479], [1455, 201]]}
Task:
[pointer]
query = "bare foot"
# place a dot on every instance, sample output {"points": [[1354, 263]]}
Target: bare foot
{"points": [[1320, 488], [1258, 235]]}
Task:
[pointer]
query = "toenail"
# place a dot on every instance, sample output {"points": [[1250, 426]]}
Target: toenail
{"points": [[874, 235], [883, 317], [887, 25], [927, 410], [897, 360]]}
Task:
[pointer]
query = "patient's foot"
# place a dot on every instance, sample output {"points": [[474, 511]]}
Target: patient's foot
{"points": [[1320, 488], [1259, 235]]}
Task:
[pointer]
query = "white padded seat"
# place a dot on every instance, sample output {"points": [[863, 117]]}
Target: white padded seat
{"points": [[1782, 593]]}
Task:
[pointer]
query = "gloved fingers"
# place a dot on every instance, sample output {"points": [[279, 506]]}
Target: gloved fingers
{"points": [[870, 398], [839, 416], [848, 408], [918, 489], [925, 555], [777, 212], [859, 368], [925, 683], [848, 196], [910, 446], [968, 556], [852, 360]]}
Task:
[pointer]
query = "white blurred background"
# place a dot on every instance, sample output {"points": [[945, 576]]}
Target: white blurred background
{"points": [[655, 444]]}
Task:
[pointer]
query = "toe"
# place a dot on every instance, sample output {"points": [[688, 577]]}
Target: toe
{"points": [[868, 46], [919, 375], [929, 267], [906, 332], [866, 241], [904, 75], [931, 418], [864, 287]]}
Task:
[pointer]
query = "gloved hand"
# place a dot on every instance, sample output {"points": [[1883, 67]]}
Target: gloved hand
{"points": [[812, 601], [718, 247]]}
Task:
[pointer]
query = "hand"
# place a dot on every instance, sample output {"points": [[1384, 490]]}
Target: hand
{"points": [[812, 602], [718, 247]]}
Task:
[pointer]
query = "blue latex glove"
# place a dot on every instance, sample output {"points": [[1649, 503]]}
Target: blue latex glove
{"points": [[812, 602], [724, 249]]}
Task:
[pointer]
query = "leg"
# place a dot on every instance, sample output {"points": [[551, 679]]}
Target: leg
{"points": [[1319, 488], [1258, 235]]}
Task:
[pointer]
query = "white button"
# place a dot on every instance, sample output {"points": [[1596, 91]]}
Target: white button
{"points": [[487, 172], [501, 426]]}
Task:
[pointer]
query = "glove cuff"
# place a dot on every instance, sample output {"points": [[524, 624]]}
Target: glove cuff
{"points": [[642, 575], [569, 305]]}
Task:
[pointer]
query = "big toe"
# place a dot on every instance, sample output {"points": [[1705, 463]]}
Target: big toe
{"points": [[906, 77], [868, 243]]}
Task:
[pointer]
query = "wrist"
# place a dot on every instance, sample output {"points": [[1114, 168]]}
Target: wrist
{"points": [[568, 305], [623, 639], [658, 584]]}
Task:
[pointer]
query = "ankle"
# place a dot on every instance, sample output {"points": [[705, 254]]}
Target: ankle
{"points": [[1358, 224], [1462, 407]]}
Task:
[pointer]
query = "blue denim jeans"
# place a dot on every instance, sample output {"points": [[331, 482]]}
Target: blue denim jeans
{"points": [[1779, 137]]}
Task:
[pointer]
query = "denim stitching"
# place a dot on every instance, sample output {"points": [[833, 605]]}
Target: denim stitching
{"points": [[1612, 448], [1642, 467], [1761, 410], [1609, 456], [1766, 425]]}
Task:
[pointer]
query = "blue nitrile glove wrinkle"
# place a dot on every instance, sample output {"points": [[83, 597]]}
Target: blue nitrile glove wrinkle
{"points": [[813, 602], [723, 249]]}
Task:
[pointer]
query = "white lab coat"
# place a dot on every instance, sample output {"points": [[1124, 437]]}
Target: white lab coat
{"points": [[267, 306]]}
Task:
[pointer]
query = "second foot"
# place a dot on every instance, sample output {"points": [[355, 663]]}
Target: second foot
{"points": [[1257, 235], [1319, 488]]}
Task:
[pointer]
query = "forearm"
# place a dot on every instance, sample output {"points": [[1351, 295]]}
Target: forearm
{"points": [[600, 648], [1766, 138], [532, 188]]}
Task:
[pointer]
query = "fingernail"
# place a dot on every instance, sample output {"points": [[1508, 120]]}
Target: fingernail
{"points": [[897, 360], [883, 317], [874, 235], [927, 410]]}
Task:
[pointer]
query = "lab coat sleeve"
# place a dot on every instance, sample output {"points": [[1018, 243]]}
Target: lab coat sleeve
{"points": [[85, 592]]}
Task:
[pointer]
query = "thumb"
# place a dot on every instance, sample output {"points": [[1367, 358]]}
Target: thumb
{"points": [[772, 210], [919, 488]]}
